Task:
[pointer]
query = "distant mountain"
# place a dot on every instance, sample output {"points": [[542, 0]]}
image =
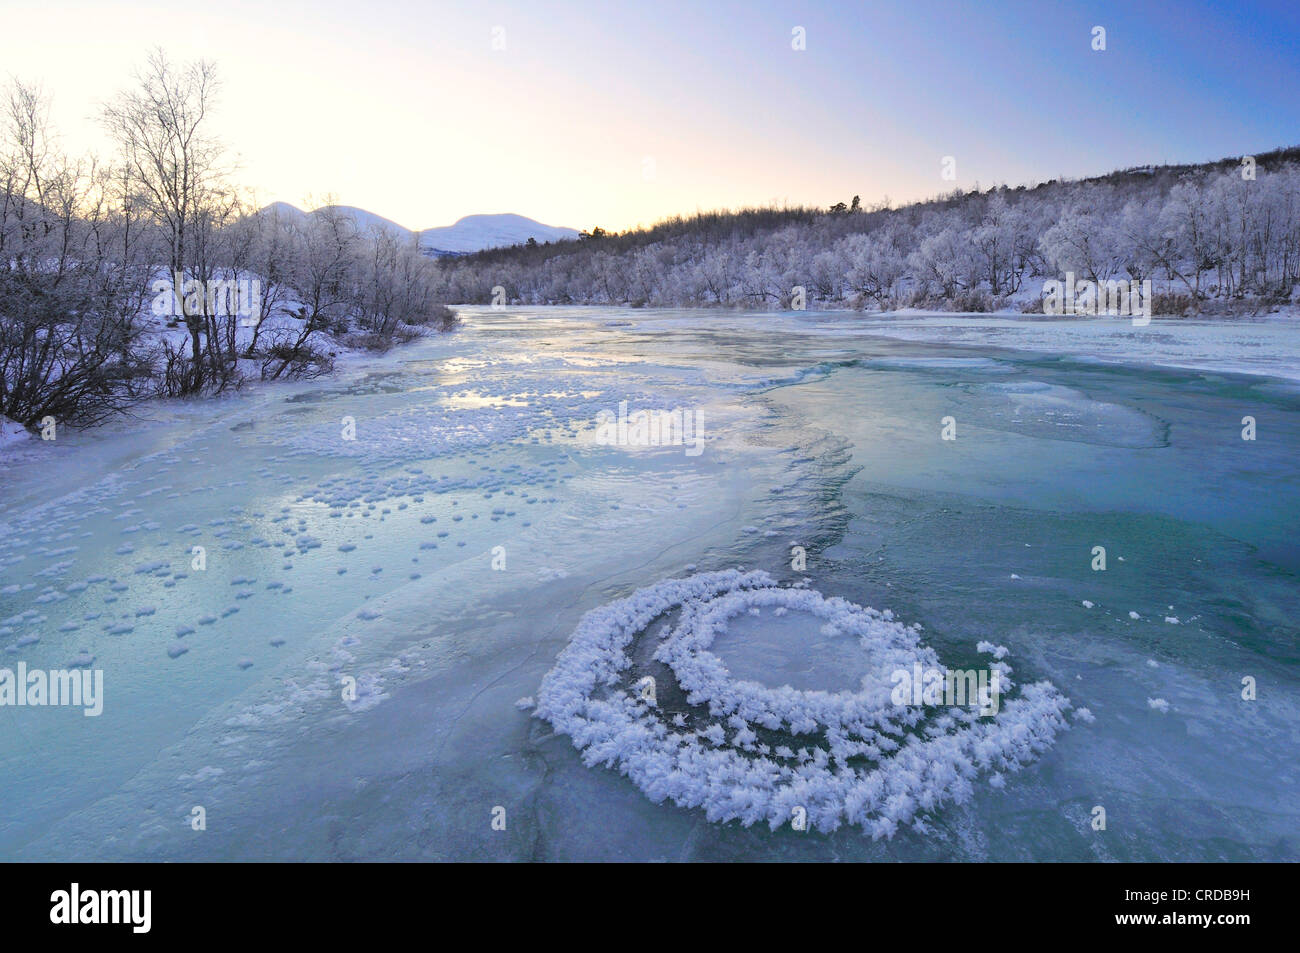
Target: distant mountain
{"points": [[477, 232], [284, 211], [472, 233], [364, 220]]}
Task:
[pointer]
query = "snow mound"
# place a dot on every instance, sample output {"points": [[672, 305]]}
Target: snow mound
{"points": [[682, 728], [11, 431]]}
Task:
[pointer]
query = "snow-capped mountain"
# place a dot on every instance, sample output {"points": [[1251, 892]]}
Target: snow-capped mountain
{"points": [[476, 232], [470, 234], [364, 220]]}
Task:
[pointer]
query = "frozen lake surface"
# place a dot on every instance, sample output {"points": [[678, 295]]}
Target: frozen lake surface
{"points": [[350, 672]]}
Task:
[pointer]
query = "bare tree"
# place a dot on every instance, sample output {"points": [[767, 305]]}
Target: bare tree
{"points": [[71, 280], [175, 169]]}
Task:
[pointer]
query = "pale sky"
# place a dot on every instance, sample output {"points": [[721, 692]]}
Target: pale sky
{"points": [[619, 113]]}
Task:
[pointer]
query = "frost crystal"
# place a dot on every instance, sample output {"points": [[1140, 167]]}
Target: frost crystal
{"points": [[756, 752]]}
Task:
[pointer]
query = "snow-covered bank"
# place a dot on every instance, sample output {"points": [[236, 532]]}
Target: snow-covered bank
{"points": [[11, 432]]}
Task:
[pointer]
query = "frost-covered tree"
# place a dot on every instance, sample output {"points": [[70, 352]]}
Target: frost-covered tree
{"points": [[73, 275], [159, 127]]}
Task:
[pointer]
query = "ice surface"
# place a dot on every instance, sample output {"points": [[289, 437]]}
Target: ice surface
{"points": [[794, 647], [822, 435], [1265, 345], [1039, 409]]}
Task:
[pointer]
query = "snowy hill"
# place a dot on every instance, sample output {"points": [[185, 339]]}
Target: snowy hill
{"points": [[364, 220], [284, 211], [1220, 236], [472, 233], [477, 232]]}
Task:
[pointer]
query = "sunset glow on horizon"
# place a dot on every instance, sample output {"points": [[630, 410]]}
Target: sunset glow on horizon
{"points": [[583, 115]]}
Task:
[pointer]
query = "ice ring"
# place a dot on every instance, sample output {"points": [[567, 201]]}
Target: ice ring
{"points": [[749, 752]]}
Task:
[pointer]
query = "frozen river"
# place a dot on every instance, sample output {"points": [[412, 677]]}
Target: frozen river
{"points": [[324, 611]]}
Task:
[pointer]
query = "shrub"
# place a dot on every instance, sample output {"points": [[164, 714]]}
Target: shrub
{"points": [[1171, 304]]}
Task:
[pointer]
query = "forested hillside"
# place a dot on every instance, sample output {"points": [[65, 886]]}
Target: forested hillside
{"points": [[1227, 231]]}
